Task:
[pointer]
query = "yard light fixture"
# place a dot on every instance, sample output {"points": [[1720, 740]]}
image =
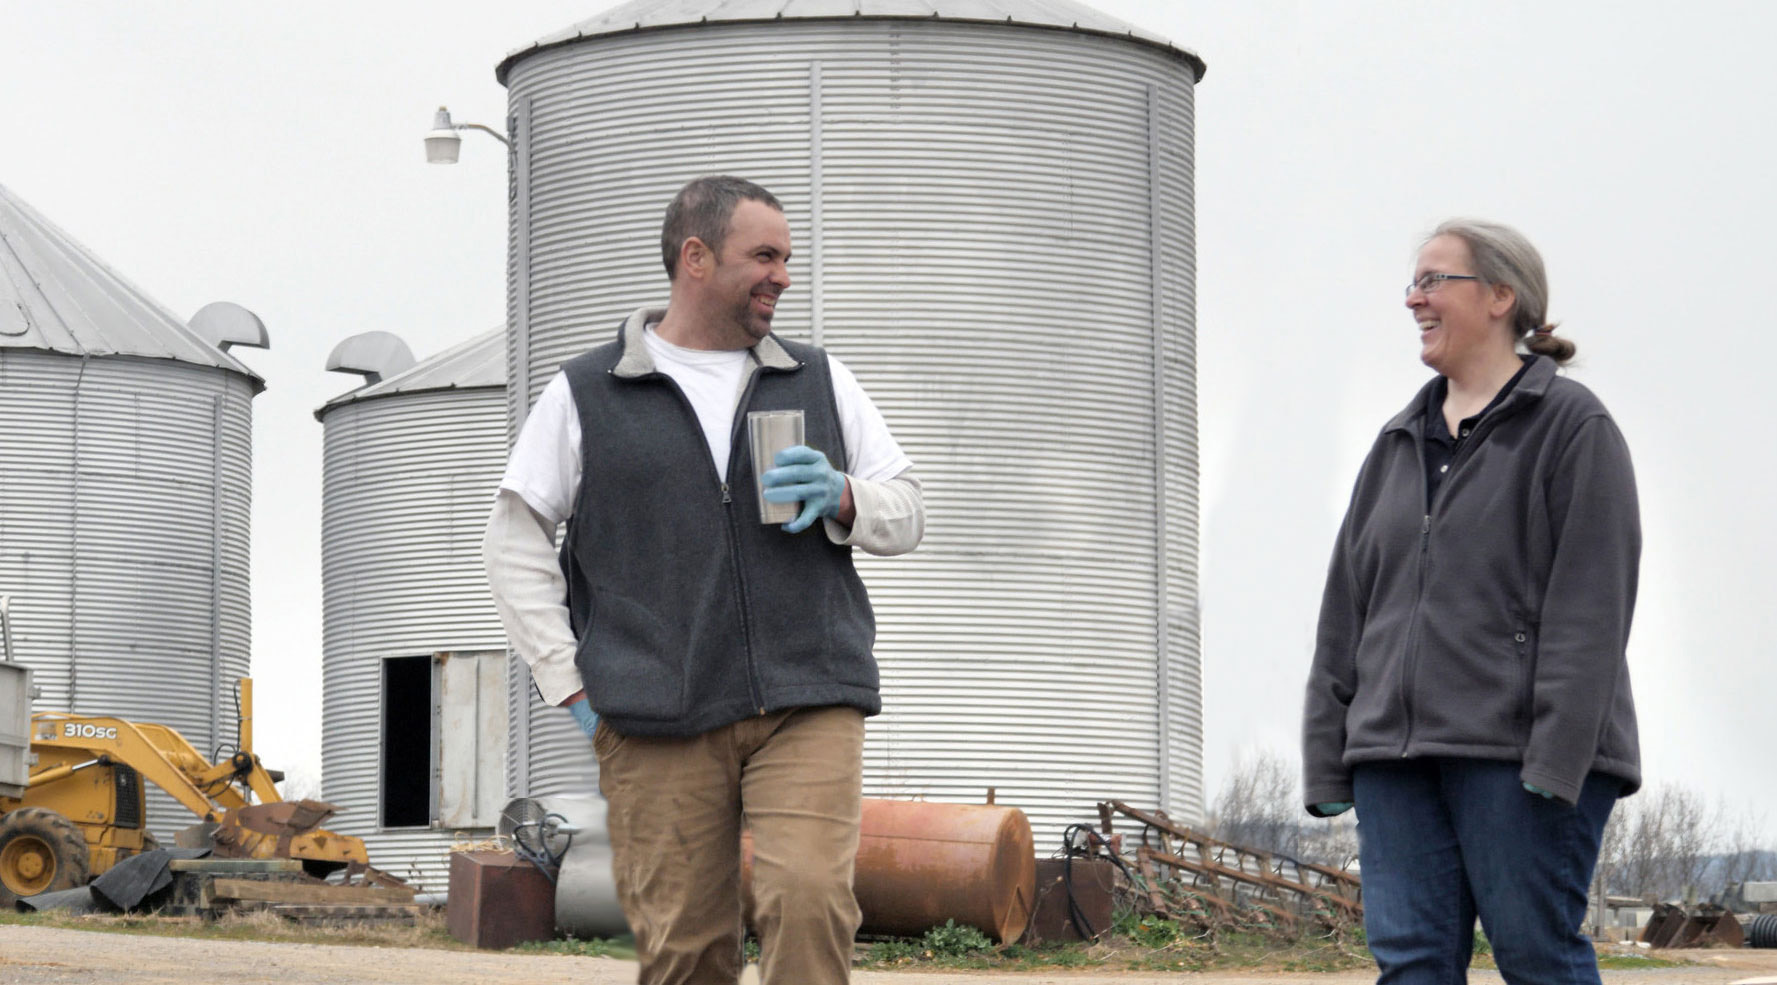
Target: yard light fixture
{"points": [[442, 143]]}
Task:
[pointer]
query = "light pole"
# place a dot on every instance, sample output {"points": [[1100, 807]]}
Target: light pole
{"points": [[442, 143]]}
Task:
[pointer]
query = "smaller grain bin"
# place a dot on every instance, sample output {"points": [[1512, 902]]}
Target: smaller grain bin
{"points": [[414, 659], [125, 492]]}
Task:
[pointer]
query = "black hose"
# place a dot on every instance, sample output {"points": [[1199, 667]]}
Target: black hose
{"points": [[546, 861], [1090, 850]]}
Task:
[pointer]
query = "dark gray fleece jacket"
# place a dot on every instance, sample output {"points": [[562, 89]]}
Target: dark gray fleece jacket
{"points": [[1494, 626]]}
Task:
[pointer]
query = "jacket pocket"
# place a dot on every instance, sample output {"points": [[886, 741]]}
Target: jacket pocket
{"points": [[1524, 640], [632, 661]]}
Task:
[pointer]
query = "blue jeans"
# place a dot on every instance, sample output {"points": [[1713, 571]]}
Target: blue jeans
{"points": [[1442, 840]]}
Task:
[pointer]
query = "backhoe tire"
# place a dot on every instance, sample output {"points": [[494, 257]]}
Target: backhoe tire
{"points": [[40, 851]]}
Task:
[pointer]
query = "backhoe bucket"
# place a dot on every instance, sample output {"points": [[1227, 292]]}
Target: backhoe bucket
{"points": [[286, 829], [1702, 925]]}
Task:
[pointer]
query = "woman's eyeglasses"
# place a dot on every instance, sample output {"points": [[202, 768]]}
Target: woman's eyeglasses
{"points": [[1429, 283]]}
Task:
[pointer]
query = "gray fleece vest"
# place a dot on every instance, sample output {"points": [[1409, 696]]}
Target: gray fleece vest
{"points": [[691, 614]]}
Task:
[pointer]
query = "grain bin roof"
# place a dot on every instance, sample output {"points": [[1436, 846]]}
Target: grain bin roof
{"points": [[479, 362], [55, 295], [642, 15]]}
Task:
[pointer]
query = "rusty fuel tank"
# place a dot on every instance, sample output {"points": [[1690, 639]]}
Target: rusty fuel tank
{"points": [[921, 863]]}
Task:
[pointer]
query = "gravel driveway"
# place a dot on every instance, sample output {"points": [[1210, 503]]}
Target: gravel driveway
{"points": [[54, 956]]}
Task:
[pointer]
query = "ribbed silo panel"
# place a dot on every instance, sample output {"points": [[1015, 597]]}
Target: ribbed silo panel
{"points": [[557, 760], [37, 514], [1175, 117], [987, 240], [985, 198], [419, 856], [236, 583], [561, 758], [612, 140], [407, 484], [157, 637], [135, 476]]}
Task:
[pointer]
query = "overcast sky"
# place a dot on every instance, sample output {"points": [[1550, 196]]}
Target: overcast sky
{"points": [[269, 154]]}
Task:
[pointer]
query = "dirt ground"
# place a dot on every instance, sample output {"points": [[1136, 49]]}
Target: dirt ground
{"points": [[54, 956]]}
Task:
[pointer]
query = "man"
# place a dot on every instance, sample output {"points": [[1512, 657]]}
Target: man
{"points": [[722, 667]]}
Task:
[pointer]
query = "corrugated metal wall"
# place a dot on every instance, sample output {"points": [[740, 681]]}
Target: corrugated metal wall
{"points": [[125, 493], [407, 484], [995, 231]]}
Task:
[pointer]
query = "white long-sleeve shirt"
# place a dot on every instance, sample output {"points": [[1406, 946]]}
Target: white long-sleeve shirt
{"points": [[542, 482]]}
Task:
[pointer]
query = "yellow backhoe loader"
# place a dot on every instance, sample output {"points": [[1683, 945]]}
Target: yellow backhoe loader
{"points": [[81, 808]]}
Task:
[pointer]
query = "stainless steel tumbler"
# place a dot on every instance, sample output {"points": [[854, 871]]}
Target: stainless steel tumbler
{"points": [[769, 432]]}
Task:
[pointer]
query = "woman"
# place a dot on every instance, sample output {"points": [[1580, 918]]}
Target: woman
{"points": [[1469, 691]]}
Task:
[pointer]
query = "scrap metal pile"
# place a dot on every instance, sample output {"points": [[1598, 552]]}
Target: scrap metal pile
{"points": [[1183, 875]]}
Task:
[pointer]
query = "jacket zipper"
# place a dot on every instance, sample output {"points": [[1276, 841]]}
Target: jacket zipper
{"points": [[1411, 663], [1461, 455], [725, 487]]}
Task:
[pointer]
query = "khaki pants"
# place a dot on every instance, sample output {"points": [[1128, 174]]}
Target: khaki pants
{"points": [[795, 779]]}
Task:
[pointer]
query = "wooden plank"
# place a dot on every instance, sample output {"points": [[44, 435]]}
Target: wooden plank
{"points": [[404, 913], [295, 892], [227, 866]]}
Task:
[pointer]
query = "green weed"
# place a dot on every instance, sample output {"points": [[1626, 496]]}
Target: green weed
{"points": [[951, 941]]}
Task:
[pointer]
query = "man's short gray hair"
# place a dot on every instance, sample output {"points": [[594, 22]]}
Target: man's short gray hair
{"points": [[703, 209]]}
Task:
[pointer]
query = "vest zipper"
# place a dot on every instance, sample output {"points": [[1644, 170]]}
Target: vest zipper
{"points": [[740, 587], [740, 582]]}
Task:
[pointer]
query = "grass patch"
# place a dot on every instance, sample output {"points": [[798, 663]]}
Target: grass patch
{"points": [[428, 930], [1629, 962], [914, 954], [1135, 943], [599, 947]]}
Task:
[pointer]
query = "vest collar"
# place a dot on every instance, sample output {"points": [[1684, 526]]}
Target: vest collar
{"points": [[637, 361]]}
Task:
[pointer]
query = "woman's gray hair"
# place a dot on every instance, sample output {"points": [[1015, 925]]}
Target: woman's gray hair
{"points": [[1502, 255]]}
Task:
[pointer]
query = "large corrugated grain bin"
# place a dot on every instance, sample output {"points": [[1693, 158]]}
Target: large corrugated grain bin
{"points": [[125, 494], [993, 220]]}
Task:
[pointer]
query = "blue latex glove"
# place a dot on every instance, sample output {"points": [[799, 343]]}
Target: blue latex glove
{"points": [[803, 475], [584, 716], [1539, 791], [1333, 808]]}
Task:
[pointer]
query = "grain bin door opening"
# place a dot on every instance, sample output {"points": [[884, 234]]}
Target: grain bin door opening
{"points": [[405, 793], [443, 741], [470, 738]]}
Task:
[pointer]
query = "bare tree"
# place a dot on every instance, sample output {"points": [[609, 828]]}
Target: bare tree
{"points": [[1257, 806], [1260, 807], [1746, 856], [1661, 837], [1696, 833], [1671, 843], [1332, 841], [300, 784], [1612, 849]]}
